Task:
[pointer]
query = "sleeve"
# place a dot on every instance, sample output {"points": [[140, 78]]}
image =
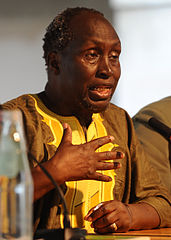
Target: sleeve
{"points": [[154, 144], [146, 185], [38, 135]]}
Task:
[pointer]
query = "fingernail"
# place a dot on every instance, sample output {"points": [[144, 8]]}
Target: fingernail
{"points": [[109, 179], [64, 125], [117, 165], [89, 219], [119, 154], [111, 138]]}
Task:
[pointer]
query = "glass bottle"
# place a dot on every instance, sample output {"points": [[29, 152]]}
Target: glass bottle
{"points": [[16, 187]]}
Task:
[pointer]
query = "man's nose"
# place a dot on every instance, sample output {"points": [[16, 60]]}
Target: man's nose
{"points": [[104, 70]]}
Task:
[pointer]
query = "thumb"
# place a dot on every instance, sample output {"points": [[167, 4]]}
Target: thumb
{"points": [[67, 134]]}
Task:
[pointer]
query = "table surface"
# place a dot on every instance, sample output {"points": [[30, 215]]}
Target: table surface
{"points": [[152, 234]]}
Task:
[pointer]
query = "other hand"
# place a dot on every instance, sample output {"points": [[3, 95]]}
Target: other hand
{"points": [[109, 216]]}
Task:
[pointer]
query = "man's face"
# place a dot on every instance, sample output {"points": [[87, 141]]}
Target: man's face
{"points": [[89, 66]]}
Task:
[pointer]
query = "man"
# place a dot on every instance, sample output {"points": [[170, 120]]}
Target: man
{"points": [[155, 144], [81, 50]]}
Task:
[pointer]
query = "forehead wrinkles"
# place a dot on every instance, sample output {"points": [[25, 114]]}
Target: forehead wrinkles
{"points": [[89, 25]]}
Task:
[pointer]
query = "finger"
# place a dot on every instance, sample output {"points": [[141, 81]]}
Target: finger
{"points": [[105, 221], [67, 134], [108, 229], [100, 177], [101, 141], [91, 210], [108, 165], [101, 211], [108, 155]]}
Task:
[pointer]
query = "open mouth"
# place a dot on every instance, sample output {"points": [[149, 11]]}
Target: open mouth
{"points": [[100, 93]]}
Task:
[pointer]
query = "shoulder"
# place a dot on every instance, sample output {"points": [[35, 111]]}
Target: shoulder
{"points": [[159, 109], [27, 105], [119, 124], [21, 102], [116, 115], [114, 110], [162, 105], [37, 132]]}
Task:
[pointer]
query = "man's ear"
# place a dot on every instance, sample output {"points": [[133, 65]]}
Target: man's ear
{"points": [[53, 62]]}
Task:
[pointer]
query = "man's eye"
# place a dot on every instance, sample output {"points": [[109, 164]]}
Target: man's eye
{"points": [[92, 57], [114, 58]]}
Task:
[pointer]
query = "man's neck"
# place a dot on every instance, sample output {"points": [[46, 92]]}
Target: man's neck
{"points": [[84, 118]]}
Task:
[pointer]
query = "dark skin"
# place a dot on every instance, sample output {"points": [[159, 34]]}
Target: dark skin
{"points": [[81, 81]]}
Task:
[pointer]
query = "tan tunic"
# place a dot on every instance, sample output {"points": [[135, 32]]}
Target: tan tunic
{"points": [[136, 181]]}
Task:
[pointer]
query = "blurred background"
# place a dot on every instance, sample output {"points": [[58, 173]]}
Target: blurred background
{"points": [[144, 27]]}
